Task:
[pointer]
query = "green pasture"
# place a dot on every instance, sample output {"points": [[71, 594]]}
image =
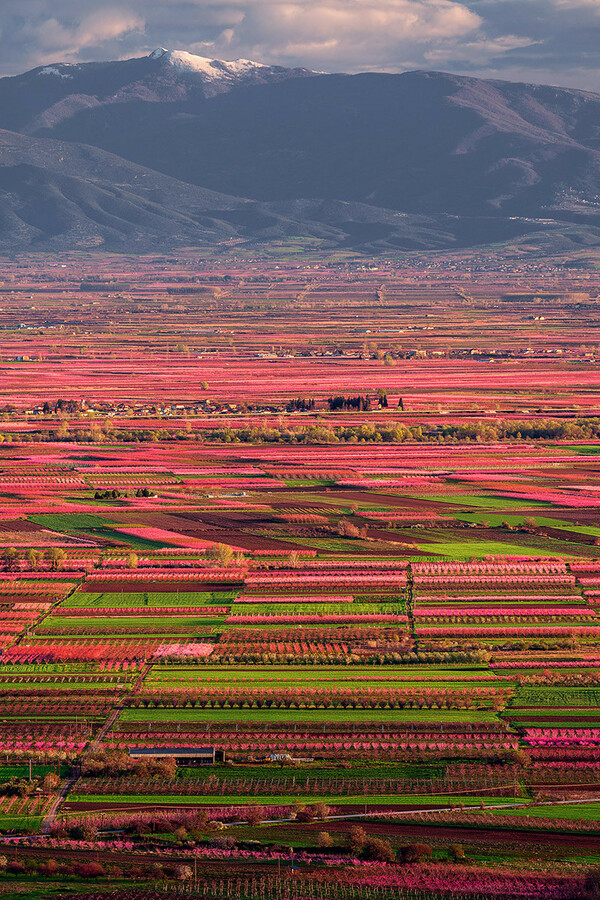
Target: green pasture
{"points": [[21, 823], [302, 674], [324, 769], [129, 622], [558, 697], [217, 716], [540, 667], [71, 521], [588, 812], [336, 502], [334, 544], [495, 519], [288, 800], [63, 686], [272, 626], [94, 526], [582, 449], [494, 592], [490, 501], [481, 608], [460, 548], [535, 718], [82, 600], [121, 537], [68, 669], [418, 688], [308, 482], [394, 607], [342, 676], [498, 626], [21, 770]]}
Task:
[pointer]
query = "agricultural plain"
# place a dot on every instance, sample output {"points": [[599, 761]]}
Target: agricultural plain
{"points": [[300, 579]]}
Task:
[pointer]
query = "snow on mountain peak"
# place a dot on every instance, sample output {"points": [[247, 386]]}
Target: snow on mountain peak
{"points": [[210, 69], [54, 70]]}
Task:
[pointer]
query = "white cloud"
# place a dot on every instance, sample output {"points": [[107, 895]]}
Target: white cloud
{"points": [[594, 5], [56, 40], [478, 52], [332, 31], [532, 37]]}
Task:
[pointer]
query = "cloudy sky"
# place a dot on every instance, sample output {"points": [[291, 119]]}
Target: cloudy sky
{"points": [[551, 41]]}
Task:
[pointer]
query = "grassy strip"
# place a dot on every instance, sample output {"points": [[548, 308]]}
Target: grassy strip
{"points": [[580, 811], [81, 600], [301, 673], [130, 622], [216, 716], [285, 800]]}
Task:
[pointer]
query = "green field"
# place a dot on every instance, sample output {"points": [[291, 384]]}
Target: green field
{"points": [[587, 811], [370, 800], [79, 599], [305, 715]]}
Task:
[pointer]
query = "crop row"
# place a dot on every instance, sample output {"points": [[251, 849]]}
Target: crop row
{"points": [[91, 650], [318, 698], [503, 612], [533, 631], [301, 784], [511, 823], [316, 619], [137, 612]]}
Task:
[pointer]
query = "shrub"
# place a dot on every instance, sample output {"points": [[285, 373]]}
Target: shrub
{"points": [[456, 852], [15, 867], [321, 810], [49, 867], [591, 885], [255, 815], [324, 839], [305, 814], [357, 838], [87, 831], [378, 850], [183, 873], [415, 853]]}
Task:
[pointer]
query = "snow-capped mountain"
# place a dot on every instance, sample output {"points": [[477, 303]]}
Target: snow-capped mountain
{"points": [[210, 69], [54, 93], [219, 75], [346, 158]]}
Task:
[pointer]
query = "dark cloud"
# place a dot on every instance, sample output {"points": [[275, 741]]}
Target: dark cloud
{"points": [[552, 41]]}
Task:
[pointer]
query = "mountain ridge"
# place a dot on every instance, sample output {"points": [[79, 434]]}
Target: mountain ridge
{"points": [[464, 160]]}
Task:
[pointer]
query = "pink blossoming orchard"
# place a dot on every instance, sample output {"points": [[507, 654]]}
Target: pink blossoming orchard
{"points": [[299, 583]]}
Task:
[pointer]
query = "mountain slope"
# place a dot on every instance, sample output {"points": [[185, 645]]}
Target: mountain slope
{"points": [[49, 95], [425, 143], [192, 150], [55, 195]]}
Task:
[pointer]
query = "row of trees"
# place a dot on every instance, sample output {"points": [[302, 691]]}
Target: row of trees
{"points": [[317, 698], [500, 430], [25, 787], [54, 557], [111, 763], [238, 654]]}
